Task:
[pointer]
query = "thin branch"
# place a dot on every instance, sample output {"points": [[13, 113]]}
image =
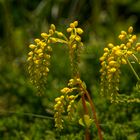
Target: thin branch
{"points": [[28, 114], [133, 70], [87, 134]]}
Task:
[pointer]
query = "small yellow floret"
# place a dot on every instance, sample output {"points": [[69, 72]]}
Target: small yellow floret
{"points": [[134, 37], [112, 70], [69, 30], [66, 90], [72, 37], [102, 58], [129, 52], [106, 49], [29, 58], [118, 53], [123, 61], [121, 37], [74, 46], [110, 58], [39, 51], [40, 54], [32, 46], [36, 61], [130, 29], [53, 27], [110, 45], [44, 35], [51, 32], [78, 38], [75, 23], [128, 45], [112, 63], [53, 40], [47, 70], [131, 40], [138, 49], [30, 53], [72, 25], [123, 33], [57, 99], [60, 34], [37, 40], [79, 31]]}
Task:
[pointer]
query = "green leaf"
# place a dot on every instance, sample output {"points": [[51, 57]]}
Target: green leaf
{"points": [[87, 120], [81, 122]]}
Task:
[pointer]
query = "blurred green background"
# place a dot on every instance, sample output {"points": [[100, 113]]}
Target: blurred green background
{"points": [[20, 22]]}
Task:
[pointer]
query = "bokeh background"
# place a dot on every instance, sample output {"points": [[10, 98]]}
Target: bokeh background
{"points": [[26, 116]]}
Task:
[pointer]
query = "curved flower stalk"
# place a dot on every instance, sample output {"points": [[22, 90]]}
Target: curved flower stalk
{"points": [[114, 56]]}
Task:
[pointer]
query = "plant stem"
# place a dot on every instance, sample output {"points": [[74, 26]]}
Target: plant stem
{"points": [[84, 104], [87, 134], [27, 114], [133, 70], [135, 58], [94, 112]]}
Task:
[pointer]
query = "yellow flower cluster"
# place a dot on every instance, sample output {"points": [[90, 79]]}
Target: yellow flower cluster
{"points": [[39, 59], [66, 100], [59, 109], [75, 45], [114, 56], [40, 53]]}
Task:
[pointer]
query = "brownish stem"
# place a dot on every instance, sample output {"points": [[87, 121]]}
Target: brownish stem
{"points": [[84, 104], [87, 134], [94, 112]]}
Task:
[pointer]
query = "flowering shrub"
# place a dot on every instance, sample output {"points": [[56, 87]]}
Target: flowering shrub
{"points": [[75, 91]]}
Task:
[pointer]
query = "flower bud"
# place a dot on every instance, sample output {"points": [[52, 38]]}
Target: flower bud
{"points": [[130, 29]]}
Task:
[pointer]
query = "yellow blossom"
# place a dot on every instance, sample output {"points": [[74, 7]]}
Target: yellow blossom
{"points": [[53, 27], [79, 31], [112, 63], [72, 25], [110, 45], [37, 40], [32, 46], [69, 30], [75, 23], [78, 38], [112, 70], [130, 29], [123, 61], [138, 49], [44, 35]]}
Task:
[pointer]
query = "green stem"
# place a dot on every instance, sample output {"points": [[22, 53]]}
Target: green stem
{"points": [[27, 114], [136, 58], [133, 70]]}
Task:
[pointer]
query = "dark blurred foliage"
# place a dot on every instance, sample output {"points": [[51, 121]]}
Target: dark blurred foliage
{"points": [[20, 22]]}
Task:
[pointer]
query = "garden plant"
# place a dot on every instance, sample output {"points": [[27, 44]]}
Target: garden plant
{"points": [[75, 103]]}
